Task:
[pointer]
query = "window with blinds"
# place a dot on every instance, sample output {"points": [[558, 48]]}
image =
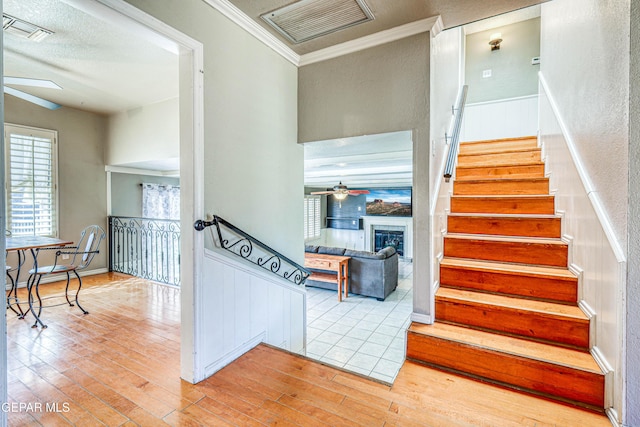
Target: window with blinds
{"points": [[31, 180], [311, 217]]}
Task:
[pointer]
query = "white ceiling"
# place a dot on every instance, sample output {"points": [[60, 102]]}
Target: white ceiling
{"points": [[383, 160], [101, 67]]}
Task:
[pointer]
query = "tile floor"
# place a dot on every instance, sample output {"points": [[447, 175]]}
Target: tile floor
{"points": [[361, 334]]}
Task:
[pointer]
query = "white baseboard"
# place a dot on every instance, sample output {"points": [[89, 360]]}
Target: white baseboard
{"points": [[422, 318], [233, 355]]}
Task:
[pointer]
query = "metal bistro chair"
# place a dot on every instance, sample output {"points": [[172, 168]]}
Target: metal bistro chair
{"points": [[12, 300], [82, 255]]}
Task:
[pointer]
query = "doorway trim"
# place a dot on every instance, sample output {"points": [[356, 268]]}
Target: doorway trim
{"points": [[190, 54]]}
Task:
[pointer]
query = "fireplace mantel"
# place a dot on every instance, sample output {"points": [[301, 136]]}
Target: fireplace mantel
{"points": [[371, 222]]}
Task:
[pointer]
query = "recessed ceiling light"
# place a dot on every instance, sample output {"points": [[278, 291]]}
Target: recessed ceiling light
{"points": [[24, 29], [341, 165]]}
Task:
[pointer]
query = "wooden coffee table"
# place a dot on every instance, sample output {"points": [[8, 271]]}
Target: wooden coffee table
{"points": [[336, 264]]}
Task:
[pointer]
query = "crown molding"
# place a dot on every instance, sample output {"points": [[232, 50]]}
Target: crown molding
{"points": [[433, 25], [386, 36], [253, 28]]}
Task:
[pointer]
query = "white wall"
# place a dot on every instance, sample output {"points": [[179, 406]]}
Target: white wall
{"points": [[502, 118], [585, 60], [446, 79], [148, 133], [584, 117], [631, 333], [249, 306]]}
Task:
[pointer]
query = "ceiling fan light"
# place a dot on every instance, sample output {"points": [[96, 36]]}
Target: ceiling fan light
{"points": [[340, 196]]}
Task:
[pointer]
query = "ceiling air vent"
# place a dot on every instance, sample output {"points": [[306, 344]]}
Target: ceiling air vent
{"points": [[308, 19], [24, 29]]}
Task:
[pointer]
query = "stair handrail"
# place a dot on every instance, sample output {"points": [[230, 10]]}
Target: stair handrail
{"points": [[253, 250], [457, 111]]}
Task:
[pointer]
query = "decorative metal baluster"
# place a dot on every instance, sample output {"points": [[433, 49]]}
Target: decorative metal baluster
{"points": [[147, 248], [236, 241]]}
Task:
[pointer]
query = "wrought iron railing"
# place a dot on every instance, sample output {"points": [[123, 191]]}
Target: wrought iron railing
{"points": [[236, 241], [457, 112], [146, 248]]}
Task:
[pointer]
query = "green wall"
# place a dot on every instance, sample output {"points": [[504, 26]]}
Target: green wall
{"points": [[512, 74], [81, 176], [126, 192]]}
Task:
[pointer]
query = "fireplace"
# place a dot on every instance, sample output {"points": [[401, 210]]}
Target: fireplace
{"points": [[389, 236]]}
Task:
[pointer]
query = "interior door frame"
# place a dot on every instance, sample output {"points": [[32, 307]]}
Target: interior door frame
{"points": [[190, 54]]}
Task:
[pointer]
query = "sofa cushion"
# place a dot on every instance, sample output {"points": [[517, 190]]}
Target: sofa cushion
{"points": [[388, 251], [363, 254], [311, 248], [330, 251]]}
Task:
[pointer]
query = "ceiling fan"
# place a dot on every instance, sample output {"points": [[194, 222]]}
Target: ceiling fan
{"points": [[340, 192], [23, 81]]}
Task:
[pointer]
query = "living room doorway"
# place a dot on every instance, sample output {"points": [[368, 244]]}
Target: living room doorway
{"points": [[358, 201]]}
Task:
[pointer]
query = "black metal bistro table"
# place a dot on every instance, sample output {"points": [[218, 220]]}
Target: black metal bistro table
{"points": [[20, 245]]}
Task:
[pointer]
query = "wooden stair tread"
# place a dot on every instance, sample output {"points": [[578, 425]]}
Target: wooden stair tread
{"points": [[517, 269], [498, 150], [503, 215], [515, 346], [506, 180], [484, 141], [504, 196], [512, 302], [511, 239], [529, 163]]}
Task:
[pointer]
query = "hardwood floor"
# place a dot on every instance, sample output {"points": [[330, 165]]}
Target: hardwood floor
{"points": [[119, 366]]}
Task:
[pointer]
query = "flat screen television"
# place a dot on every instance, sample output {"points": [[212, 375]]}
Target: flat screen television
{"points": [[389, 202]]}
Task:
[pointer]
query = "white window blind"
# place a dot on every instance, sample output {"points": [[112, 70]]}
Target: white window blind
{"points": [[31, 179], [311, 217]]}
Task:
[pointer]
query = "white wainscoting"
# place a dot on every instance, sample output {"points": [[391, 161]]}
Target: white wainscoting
{"points": [[594, 251], [244, 306], [502, 118]]}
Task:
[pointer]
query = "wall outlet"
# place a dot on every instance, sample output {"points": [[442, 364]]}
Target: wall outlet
{"points": [[65, 256], [486, 74]]}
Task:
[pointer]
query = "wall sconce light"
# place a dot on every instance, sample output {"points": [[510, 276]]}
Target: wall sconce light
{"points": [[495, 40]]}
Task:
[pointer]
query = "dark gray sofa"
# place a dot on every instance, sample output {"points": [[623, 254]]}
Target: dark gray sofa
{"points": [[372, 274]]}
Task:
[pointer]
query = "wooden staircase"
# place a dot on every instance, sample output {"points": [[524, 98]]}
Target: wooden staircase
{"points": [[507, 310]]}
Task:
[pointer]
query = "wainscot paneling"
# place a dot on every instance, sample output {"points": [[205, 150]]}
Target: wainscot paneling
{"points": [[502, 118], [245, 306]]}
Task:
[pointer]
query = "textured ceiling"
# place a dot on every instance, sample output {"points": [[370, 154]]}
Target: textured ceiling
{"points": [[389, 14], [100, 67]]}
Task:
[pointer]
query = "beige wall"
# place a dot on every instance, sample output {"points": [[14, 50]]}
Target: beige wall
{"points": [[126, 192], [143, 134], [81, 175], [253, 166], [512, 72], [377, 90]]}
